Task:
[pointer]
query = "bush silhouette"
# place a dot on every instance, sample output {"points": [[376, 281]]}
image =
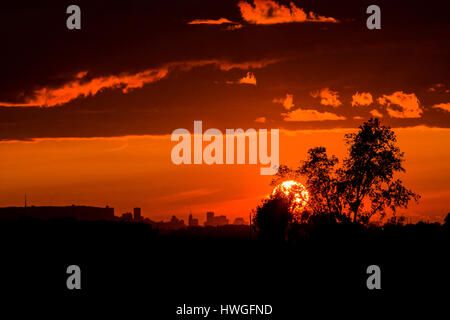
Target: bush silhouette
{"points": [[272, 219]]}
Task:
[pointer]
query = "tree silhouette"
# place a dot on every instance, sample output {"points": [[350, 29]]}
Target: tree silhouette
{"points": [[368, 172], [364, 185], [272, 219], [322, 182], [447, 221]]}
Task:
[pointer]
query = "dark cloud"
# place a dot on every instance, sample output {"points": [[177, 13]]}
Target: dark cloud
{"points": [[409, 54]]}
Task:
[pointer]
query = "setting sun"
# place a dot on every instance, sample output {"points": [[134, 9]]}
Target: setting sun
{"points": [[295, 192]]}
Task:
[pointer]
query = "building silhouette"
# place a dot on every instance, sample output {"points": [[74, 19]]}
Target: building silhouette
{"points": [[127, 216], [173, 224], [239, 221], [215, 221], [192, 222], [54, 212], [137, 214]]}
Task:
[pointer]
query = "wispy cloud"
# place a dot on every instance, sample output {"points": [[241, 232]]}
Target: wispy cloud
{"points": [[271, 12], [261, 120], [257, 64], [437, 87], [287, 102], [442, 106], [376, 113], [83, 86], [362, 99], [51, 97], [211, 21], [302, 115], [231, 25], [327, 97], [408, 105]]}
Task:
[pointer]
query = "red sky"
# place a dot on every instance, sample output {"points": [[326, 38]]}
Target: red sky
{"points": [[86, 116]]}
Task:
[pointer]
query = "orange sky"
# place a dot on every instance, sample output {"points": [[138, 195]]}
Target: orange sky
{"points": [[137, 171], [86, 115]]}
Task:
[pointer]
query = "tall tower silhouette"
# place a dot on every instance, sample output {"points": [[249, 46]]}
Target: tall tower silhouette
{"points": [[250, 229]]}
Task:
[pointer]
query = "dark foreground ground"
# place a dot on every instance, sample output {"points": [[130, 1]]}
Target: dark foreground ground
{"points": [[131, 271]]}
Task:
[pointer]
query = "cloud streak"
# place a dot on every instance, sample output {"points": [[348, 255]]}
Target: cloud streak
{"points": [[51, 97], [211, 21], [231, 25], [376, 113], [442, 106], [303, 115], [287, 102], [82, 86]]}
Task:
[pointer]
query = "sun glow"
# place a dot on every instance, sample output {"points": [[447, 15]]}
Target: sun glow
{"points": [[295, 192]]}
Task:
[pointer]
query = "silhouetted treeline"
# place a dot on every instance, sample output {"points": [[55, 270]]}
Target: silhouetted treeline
{"points": [[324, 264], [317, 227]]}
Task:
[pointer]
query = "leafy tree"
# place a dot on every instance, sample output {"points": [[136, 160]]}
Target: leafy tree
{"points": [[322, 182], [364, 185], [368, 172]]}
